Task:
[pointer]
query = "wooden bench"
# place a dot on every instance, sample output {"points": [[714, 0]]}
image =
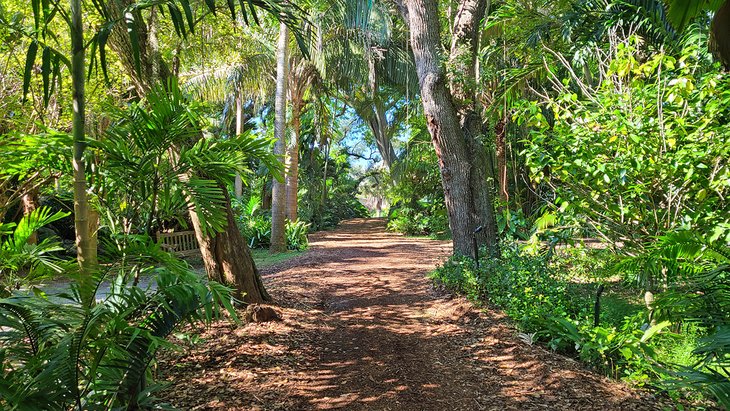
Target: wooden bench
{"points": [[182, 243]]}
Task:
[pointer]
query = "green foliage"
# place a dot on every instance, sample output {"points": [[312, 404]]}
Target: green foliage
{"points": [[61, 354], [423, 220], [296, 235], [700, 296], [256, 227], [22, 263], [158, 159], [538, 293], [646, 152]]}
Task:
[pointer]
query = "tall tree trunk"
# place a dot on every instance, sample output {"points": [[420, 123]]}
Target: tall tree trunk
{"points": [[292, 176], [81, 204], [278, 206], [228, 259], [454, 125], [500, 131], [238, 183]]}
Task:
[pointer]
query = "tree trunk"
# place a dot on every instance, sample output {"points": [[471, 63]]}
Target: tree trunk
{"points": [[454, 125], [30, 204], [81, 204], [292, 176], [238, 183], [228, 260], [500, 131], [720, 34], [379, 126], [278, 206]]}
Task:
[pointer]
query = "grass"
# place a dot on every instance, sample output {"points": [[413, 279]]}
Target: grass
{"points": [[264, 258]]}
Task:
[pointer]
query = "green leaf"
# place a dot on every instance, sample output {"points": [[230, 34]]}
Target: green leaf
{"points": [[680, 12], [36, 6], [211, 6], [29, 60], [101, 39], [232, 8], [177, 20], [653, 330], [188, 14], [134, 39]]}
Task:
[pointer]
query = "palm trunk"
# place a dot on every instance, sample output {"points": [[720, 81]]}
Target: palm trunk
{"points": [[379, 126], [452, 122], [81, 205], [278, 206], [292, 176], [720, 34], [238, 183]]}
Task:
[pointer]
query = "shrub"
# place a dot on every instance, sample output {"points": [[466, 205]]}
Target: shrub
{"points": [[296, 235]]}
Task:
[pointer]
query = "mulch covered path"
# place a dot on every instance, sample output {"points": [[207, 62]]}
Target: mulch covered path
{"points": [[364, 329]]}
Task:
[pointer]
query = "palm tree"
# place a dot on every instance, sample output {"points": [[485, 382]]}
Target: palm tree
{"points": [[302, 76], [278, 205], [157, 146]]}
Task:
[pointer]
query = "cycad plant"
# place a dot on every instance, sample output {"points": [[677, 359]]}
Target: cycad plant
{"points": [[64, 353], [702, 297], [21, 261]]}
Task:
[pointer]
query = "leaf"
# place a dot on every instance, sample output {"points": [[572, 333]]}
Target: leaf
{"points": [[101, 39], [188, 14], [211, 6], [680, 12], [134, 39], [29, 60], [36, 5], [232, 8], [177, 20], [653, 330]]}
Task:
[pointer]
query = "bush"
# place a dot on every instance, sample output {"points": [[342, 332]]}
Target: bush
{"points": [[257, 231], [296, 235], [419, 221], [547, 307]]}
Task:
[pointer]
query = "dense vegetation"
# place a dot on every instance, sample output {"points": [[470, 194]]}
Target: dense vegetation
{"points": [[582, 145]]}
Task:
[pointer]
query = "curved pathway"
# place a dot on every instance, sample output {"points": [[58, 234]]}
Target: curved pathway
{"points": [[363, 329]]}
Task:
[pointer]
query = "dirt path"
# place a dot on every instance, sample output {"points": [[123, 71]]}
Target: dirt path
{"points": [[363, 329]]}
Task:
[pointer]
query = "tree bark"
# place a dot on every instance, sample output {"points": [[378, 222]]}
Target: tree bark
{"points": [[377, 121], [278, 205], [292, 176], [30, 204], [228, 260], [453, 123], [720, 34]]}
